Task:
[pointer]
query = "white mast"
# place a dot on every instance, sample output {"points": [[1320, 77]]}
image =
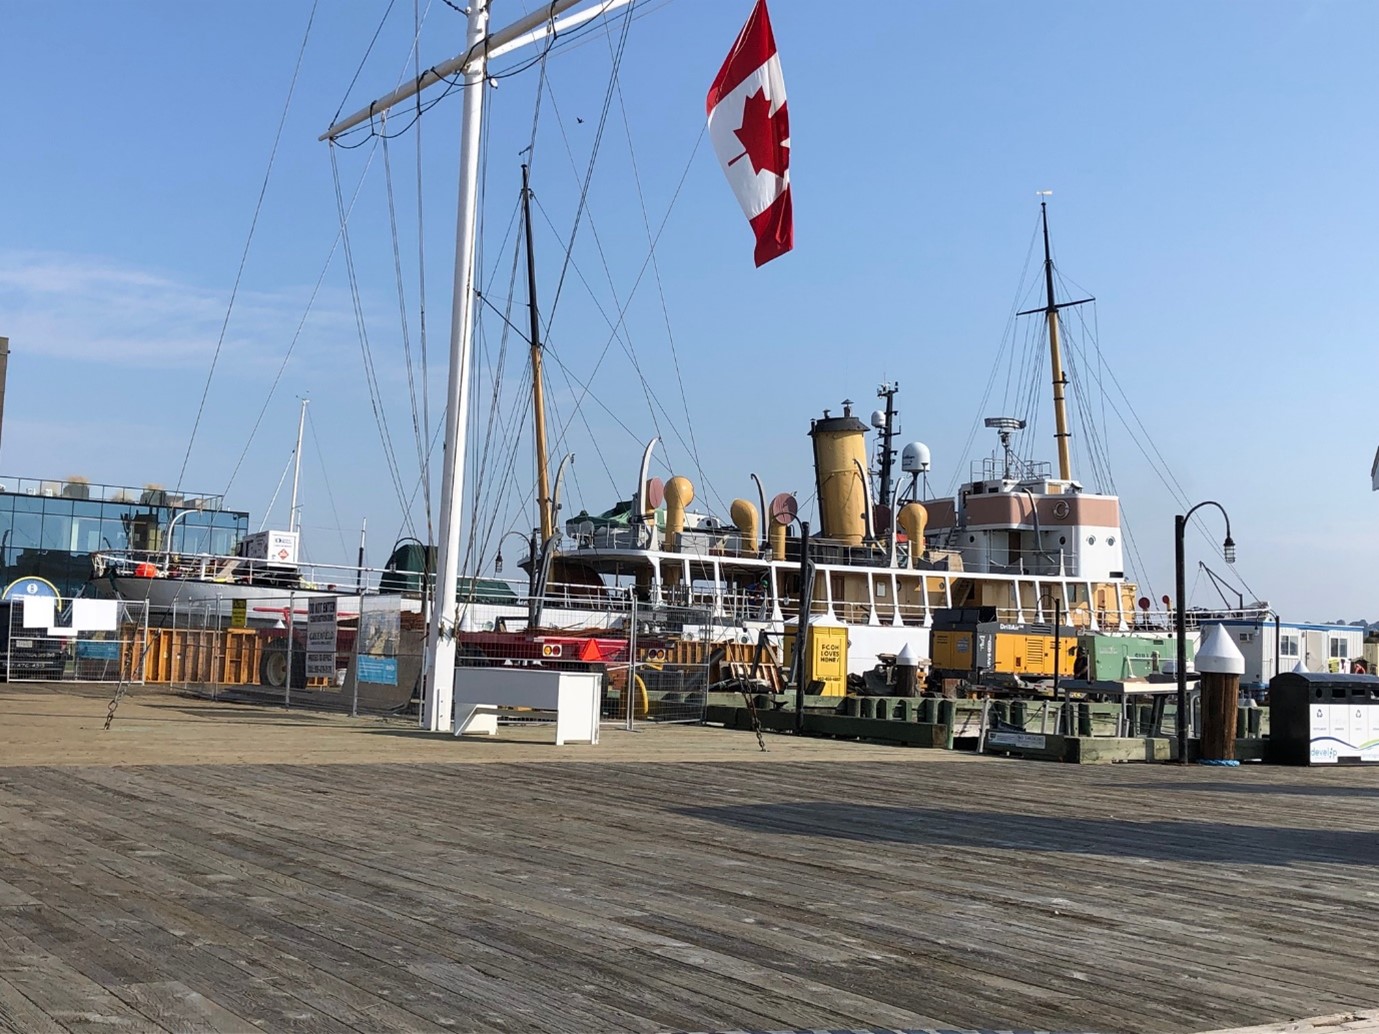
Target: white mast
{"points": [[294, 517], [440, 630], [473, 62]]}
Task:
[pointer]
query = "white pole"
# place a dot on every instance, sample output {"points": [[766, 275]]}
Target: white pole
{"points": [[293, 519], [532, 28], [440, 634]]}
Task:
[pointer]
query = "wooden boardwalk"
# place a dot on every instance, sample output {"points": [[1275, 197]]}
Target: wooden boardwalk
{"points": [[213, 868]]}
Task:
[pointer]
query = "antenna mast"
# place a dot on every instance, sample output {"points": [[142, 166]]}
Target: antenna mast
{"points": [[887, 391], [1060, 380], [538, 395]]}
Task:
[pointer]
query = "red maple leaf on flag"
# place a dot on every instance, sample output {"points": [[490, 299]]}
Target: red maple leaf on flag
{"points": [[764, 135]]}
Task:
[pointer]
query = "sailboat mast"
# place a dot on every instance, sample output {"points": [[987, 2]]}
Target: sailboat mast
{"points": [[294, 518], [1060, 382], [538, 26], [440, 632], [538, 395]]}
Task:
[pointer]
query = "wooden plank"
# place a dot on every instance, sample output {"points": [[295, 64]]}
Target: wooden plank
{"points": [[802, 888], [11, 896], [69, 999], [171, 1005], [19, 1014]]}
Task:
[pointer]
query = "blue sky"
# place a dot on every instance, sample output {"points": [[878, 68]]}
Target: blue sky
{"points": [[1213, 167]]}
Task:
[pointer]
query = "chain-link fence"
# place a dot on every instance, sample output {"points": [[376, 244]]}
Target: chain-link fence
{"points": [[77, 640], [366, 654], [359, 654], [657, 662]]}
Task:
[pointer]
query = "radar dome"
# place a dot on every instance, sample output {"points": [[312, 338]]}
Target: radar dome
{"points": [[914, 458]]}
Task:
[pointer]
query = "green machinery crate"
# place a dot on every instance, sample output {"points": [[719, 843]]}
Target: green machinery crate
{"points": [[1115, 658]]}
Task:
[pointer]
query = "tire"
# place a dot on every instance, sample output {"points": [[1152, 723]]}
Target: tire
{"points": [[273, 667]]}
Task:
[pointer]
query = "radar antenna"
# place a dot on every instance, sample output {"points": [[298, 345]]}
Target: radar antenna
{"points": [[1005, 427]]}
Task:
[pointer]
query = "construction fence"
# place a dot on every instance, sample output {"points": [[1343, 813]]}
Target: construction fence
{"points": [[77, 640], [365, 655]]}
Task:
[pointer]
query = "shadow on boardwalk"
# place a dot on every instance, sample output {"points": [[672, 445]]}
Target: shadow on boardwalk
{"points": [[1290, 789], [1158, 840]]}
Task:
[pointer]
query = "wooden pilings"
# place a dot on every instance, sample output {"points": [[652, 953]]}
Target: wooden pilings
{"points": [[1220, 693]]}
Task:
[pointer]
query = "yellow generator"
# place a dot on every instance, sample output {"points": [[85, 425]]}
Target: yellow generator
{"points": [[825, 659], [951, 649], [969, 643]]}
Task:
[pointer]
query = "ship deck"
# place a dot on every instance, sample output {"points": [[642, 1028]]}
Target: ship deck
{"points": [[223, 868]]}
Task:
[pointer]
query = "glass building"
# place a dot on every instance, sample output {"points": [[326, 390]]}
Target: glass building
{"points": [[49, 529]]}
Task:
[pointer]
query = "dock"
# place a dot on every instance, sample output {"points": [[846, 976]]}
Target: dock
{"points": [[217, 867]]}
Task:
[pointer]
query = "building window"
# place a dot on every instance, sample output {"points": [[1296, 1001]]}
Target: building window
{"points": [[1288, 644], [1339, 647]]}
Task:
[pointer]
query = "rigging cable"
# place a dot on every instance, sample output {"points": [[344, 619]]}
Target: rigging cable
{"points": [[418, 17], [417, 432], [370, 376], [1007, 337], [325, 480], [593, 155], [249, 239], [620, 330], [660, 286]]}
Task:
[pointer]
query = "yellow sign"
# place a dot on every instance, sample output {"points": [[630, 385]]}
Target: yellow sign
{"points": [[239, 613]]}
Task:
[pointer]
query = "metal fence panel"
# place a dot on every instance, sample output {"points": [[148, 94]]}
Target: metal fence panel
{"points": [[369, 659], [83, 641], [338, 652], [666, 653]]}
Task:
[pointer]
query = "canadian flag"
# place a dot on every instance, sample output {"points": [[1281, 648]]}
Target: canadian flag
{"points": [[750, 129]]}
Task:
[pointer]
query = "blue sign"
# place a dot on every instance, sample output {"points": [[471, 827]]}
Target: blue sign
{"points": [[381, 671], [21, 588], [98, 650]]}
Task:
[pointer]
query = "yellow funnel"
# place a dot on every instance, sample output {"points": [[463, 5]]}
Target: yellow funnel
{"points": [[840, 456]]}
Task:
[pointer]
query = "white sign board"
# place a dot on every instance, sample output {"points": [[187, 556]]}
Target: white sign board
{"points": [[320, 637]]}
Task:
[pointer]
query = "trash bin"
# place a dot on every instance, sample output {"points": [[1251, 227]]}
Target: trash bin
{"points": [[1323, 718]]}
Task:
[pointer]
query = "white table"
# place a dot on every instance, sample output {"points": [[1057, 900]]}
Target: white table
{"points": [[574, 696]]}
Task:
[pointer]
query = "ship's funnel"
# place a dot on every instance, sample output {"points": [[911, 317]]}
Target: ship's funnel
{"points": [[744, 516], [679, 494], [840, 456], [913, 520]]}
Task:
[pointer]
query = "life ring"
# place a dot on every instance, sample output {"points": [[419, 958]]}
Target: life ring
{"points": [[1060, 509]]}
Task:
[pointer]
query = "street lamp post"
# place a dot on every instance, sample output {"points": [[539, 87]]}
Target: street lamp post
{"points": [[1228, 551]]}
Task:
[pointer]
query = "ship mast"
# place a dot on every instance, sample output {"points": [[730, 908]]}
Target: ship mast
{"points": [[481, 47], [538, 395], [1060, 380], [294, 516], [887, 391]]}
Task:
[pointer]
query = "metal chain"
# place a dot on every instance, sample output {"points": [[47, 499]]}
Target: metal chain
{"points": [[114, 703], [752, 712]]}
